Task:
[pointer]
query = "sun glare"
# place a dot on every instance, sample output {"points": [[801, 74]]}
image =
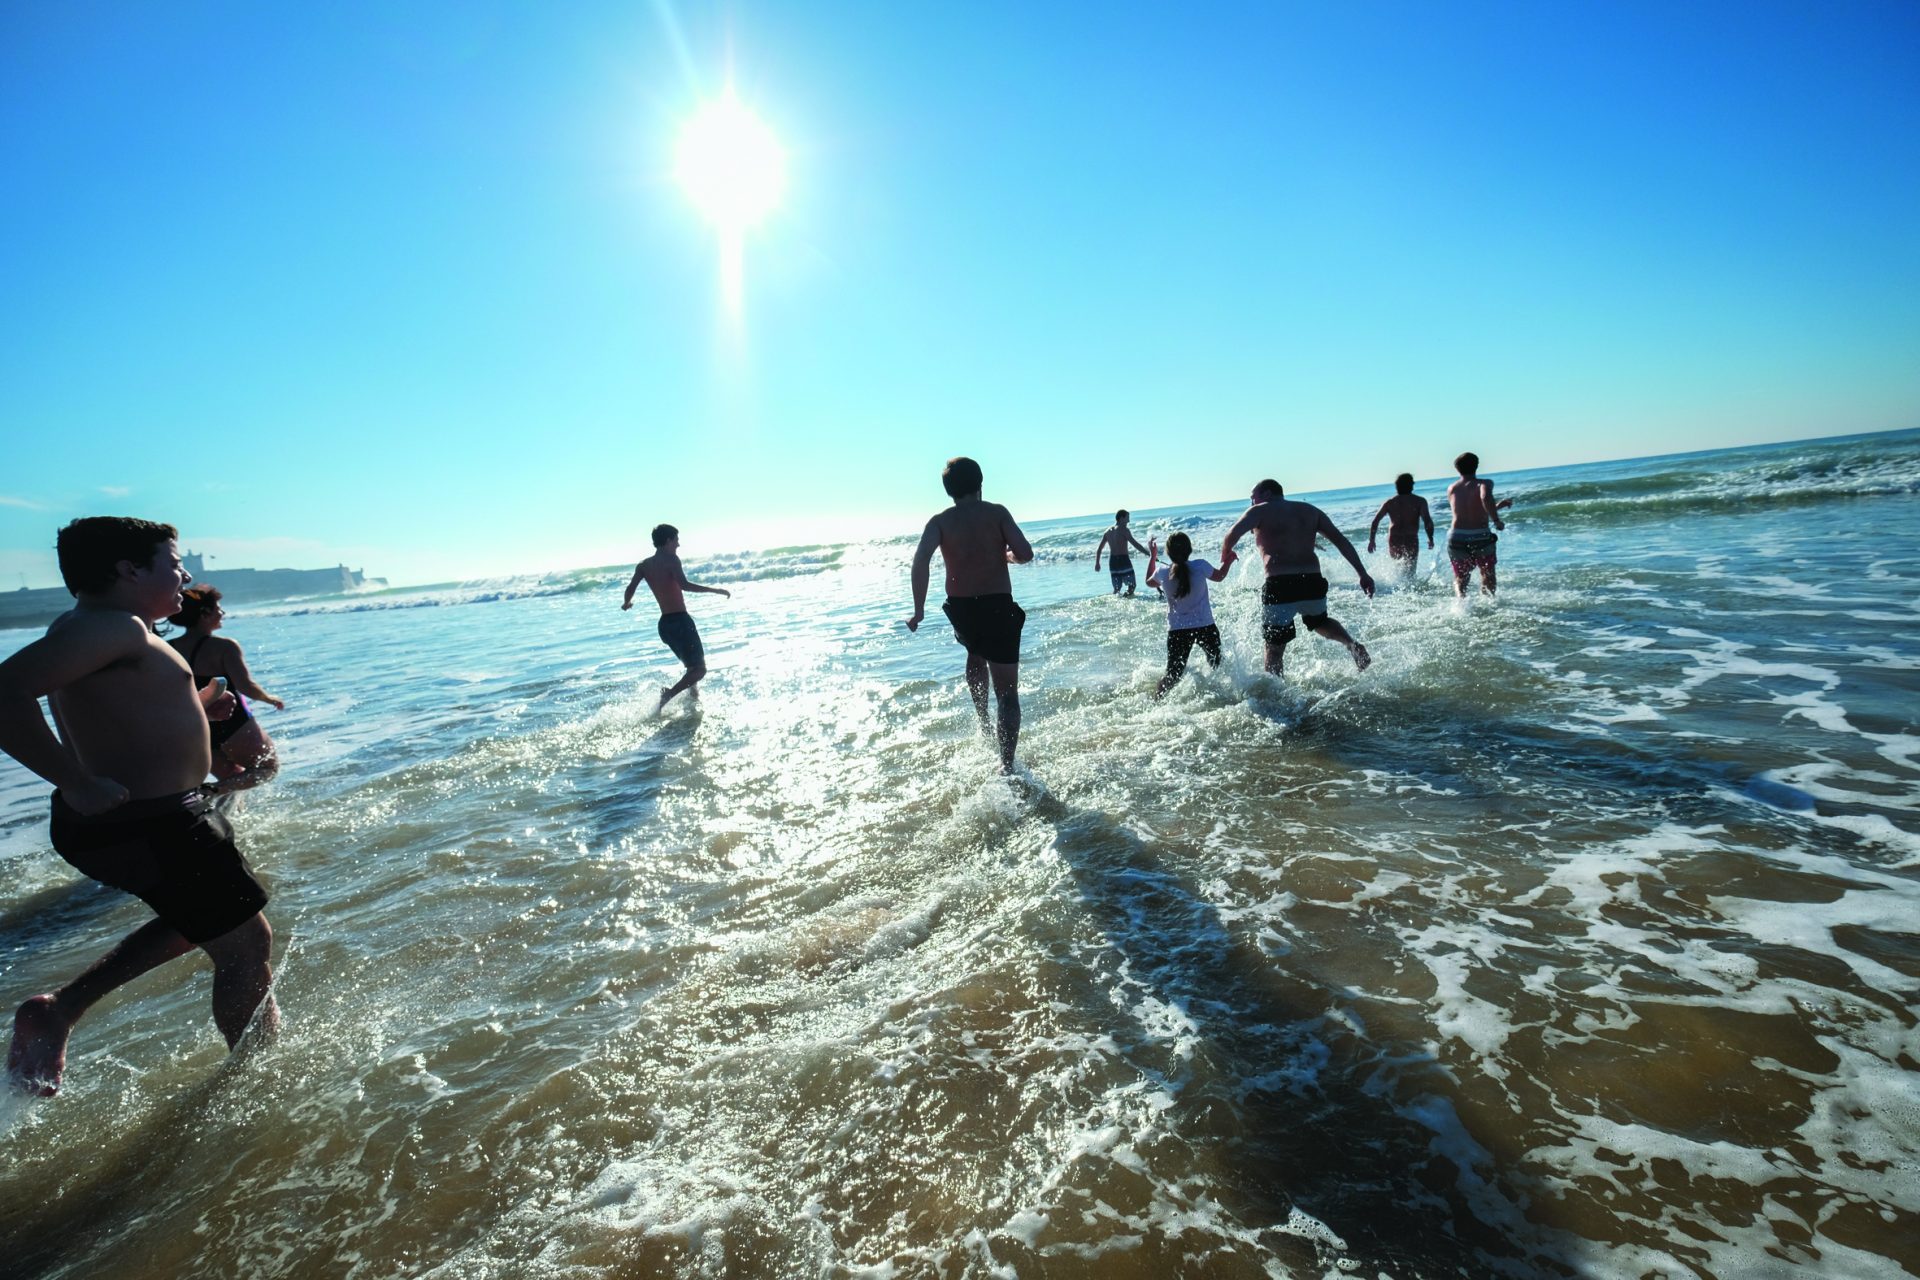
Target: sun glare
{"points": [[730, 165]]}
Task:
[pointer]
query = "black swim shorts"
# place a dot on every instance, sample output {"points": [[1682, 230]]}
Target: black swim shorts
{"points": [[1288, 595], [680, 635], [987, 625], [174, 853]]}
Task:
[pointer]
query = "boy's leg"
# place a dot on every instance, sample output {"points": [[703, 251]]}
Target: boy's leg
{"points": [[1323, 625], [42, 1024], [242, 979], [693, 677], [1486, 576], [1006, 692], [1278, 638], [977, 687]]}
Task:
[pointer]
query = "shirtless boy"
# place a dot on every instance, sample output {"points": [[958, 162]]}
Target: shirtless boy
{"points": [[1116, 540], [1470, 543], [977, 540], [1404, 512], [131, 752], [662, 573], [1285, 532]]}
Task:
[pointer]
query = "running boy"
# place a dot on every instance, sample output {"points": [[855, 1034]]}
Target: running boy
{"points": [[1117, 539], [131, 752], [663, 574], [978, 540], [1470, 544], [1405, 512]]}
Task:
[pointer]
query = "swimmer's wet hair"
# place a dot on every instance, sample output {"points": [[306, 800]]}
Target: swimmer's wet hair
{"points": [[92, 547], [1121, 514], [1403, 483], [1271, 488], [196, 602], [961, 477], [1467, 464], [663, 534]]}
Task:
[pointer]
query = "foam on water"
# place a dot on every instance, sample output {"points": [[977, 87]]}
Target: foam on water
{"points": [[1574, 939]]}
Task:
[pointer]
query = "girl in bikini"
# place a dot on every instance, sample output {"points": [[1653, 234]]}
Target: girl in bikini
{"points": [[240, 745]]}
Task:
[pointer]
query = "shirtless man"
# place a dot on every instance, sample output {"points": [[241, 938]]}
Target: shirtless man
{"points": [[977, 540], [1116, 540], [1285, 532], [1404, 512], [1470, 544], [662, 573], [131, 752]]}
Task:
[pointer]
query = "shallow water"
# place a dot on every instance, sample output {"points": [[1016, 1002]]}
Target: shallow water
{"points": [[1577, 937]]}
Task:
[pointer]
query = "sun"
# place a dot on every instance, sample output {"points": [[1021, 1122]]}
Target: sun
{"points": [[731, 165]]}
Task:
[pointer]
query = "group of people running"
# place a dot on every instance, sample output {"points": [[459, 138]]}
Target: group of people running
{"points": [[978, 539], [141, 721]]}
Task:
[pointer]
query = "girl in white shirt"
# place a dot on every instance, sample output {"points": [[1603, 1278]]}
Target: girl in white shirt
{"points": [[1189, 614]]}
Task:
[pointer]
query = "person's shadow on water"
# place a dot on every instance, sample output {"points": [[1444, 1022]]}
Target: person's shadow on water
{"points": [[1278, 1089]]}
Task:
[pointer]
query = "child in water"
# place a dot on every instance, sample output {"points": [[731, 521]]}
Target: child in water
{"points": [[1189, 612]]}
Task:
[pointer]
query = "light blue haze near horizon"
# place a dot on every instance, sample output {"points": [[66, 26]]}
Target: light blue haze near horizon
{"points": [[413, 288]]}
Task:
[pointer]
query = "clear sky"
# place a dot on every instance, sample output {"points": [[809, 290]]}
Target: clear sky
{"points": [[412, 285]]}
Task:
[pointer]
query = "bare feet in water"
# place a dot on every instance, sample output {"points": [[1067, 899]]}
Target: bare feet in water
{"points": [[1361, 658], [39, 1052]]}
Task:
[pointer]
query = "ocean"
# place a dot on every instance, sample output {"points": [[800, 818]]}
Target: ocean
{"points": [[1579, 936]]}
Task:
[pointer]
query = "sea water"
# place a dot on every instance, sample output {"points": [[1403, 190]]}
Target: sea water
{"points": [[1579, 937]]}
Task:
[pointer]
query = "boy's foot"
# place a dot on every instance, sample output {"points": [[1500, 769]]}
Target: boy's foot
{"points": [[1361, 658], [39, 1051]]}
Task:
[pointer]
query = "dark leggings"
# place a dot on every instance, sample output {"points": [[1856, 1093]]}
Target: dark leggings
{"points": [[1180, 647]]}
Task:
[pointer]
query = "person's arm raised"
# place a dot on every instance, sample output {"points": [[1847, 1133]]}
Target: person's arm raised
{"points": [[687, 585], [243, 680], [1226, 563], [1234, 535], [1019, 550], [1326, 529], [46, 666]]}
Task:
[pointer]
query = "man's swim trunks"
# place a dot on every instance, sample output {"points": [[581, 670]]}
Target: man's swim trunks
{"points": [[987, 625], [1122, 577], [174, 853], [1288, 595], [680, 635], [1471, 549]]}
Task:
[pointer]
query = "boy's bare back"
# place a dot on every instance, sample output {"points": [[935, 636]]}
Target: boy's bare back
{"points": [[1472, 503], [974, 537], [1405, 513], [662, 573]]}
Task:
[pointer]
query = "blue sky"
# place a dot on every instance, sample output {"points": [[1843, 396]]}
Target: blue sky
{"points": [[411, 285]]}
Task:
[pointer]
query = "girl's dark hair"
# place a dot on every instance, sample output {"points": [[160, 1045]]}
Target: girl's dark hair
{"points": [[1179, 547], [196, 602]]}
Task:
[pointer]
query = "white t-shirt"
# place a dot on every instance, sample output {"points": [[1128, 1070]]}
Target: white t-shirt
{"points": [[1193, 609]]}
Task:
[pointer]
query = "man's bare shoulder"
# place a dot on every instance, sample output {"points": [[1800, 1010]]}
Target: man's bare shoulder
{"points": [[103, 627]]}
